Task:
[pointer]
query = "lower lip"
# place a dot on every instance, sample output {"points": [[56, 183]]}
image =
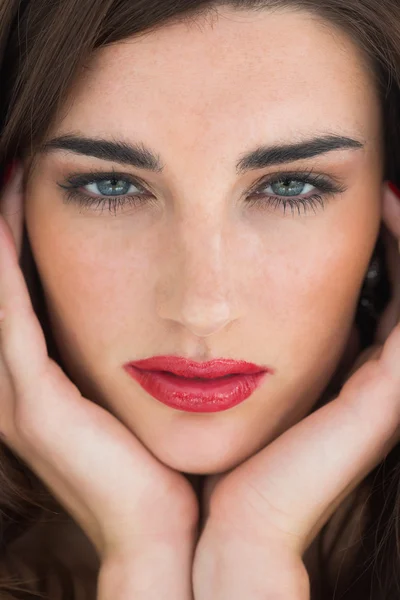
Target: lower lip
{"points": [[214, 395]]}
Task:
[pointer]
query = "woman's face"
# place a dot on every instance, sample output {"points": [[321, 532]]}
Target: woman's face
{"points": [[195, 269]]}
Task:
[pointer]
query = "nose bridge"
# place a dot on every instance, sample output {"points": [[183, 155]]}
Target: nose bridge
{"points": [[198, 291]]}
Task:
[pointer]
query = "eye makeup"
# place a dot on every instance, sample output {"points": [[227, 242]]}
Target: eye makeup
{"points": [[298, 190]]}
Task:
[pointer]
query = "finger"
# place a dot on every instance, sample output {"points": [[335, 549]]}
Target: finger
{"points": [[391, 210], [391, 238], [23, 345], [11, 205], [297, 481]]}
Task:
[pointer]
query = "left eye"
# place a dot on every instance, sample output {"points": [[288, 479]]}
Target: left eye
{"points": [[112, 187], [289, 187]]}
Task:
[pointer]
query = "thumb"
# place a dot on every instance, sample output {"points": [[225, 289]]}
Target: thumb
{"points": [[297, 482]]}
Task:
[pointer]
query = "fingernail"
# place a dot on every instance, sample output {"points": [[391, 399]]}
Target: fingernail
{"points": [[9, 170], [394, 189]]}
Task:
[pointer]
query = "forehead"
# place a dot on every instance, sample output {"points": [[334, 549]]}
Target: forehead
{"points": [[279, 74]]}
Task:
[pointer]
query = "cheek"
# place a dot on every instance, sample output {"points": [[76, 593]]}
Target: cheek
{"points": [[316, 283], [93, 287]]}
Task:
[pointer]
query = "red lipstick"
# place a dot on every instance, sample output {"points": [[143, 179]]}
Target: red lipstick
{"points": [[191, 386]]}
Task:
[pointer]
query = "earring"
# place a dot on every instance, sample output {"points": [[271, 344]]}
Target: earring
{"points": [[367, 303], [374, 296]]}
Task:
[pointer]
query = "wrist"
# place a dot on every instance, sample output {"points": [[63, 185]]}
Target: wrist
{"points": [[157, 570], [228, 565]]}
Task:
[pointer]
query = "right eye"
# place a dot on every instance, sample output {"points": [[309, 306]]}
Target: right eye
{"points": [[105, 190], [111, 187]]}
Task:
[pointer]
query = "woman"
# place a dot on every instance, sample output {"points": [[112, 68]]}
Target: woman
{"points": [[117, 114]]}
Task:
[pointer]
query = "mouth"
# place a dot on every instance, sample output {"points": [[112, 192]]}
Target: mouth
{"points": [[205, 394], [190, 369]]}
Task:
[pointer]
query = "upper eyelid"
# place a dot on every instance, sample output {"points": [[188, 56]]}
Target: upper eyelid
{"points": [[309, 176], [80, 179], [306, 173]]}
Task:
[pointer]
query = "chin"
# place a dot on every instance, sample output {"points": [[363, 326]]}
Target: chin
{"points": [[197, 463]]}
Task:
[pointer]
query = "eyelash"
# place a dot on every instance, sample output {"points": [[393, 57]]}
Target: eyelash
{"points": [[256, 198]]}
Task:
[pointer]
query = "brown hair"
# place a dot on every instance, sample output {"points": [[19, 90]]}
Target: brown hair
{"points": [[43, 44]]}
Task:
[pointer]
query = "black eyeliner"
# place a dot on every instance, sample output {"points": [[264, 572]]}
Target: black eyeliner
{"points": [[324, 183], [82, 179], [325, 186]]}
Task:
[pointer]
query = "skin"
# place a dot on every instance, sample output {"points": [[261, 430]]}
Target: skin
{"points": [[197, 271]]}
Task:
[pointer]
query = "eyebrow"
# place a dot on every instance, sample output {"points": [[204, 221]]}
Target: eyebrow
{"points": [[142, 157]]}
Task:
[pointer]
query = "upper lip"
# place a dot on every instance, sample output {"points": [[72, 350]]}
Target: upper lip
{"points": [[184, 367]]}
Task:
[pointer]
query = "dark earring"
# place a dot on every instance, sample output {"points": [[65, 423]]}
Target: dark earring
{"points": [[367, 302], [374, 296]]}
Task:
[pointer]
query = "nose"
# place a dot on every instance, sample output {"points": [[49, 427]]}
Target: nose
{"points": [[196, 284]]}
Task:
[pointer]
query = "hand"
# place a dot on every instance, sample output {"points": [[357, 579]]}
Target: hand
{"points": [[263, 515], [129, 505]]}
